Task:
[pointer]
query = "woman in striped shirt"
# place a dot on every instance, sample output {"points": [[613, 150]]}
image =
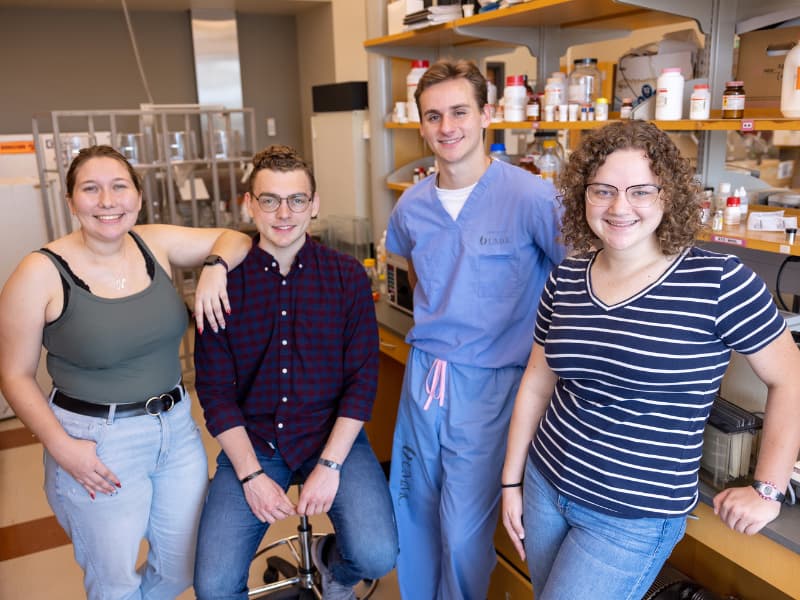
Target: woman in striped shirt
{"points": [[633, 335]]}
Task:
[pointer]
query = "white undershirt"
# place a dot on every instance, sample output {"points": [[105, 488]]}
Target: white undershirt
{"points": [[453, 200]]}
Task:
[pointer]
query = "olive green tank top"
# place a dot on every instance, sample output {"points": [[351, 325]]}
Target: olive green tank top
{"points": [[116, 350]]}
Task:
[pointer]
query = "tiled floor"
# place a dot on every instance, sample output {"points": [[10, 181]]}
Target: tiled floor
{"points": [[36, 560]]}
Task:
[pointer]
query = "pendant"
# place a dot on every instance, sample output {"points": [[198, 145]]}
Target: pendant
{"points": [[119, 283]]}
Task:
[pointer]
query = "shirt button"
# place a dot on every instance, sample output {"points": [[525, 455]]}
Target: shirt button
{"points": [[283, 313], [300, 266], [280, 425], [284, 399], [274, 264], [283, 282], [266, 268], [284, 370], [284, 342]]}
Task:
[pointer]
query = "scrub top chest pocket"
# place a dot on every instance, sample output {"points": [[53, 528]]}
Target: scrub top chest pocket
{"points": [[497, 266]]}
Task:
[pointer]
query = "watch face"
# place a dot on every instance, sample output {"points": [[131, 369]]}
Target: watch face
{"points": [[768, 489]]}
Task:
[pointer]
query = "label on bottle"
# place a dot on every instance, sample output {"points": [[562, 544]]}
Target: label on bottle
{"points": [[733, 102], [797, 79]]}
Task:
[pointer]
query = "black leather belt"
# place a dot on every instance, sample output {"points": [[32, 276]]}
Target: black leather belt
{"points": [[154, 405]]}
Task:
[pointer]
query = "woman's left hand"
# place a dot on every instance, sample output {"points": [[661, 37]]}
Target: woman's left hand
{"points": [[743, 510], [211, 298]]}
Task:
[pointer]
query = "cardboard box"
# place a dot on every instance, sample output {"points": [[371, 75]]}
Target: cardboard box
{"points": [[777, 173], [760, 64]]}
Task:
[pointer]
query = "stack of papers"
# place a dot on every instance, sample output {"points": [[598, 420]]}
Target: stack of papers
{"points": [[433, 15]]}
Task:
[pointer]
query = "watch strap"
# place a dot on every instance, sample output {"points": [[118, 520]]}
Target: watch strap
{"points": [[768, 491], [215, 259], [330, 464]]}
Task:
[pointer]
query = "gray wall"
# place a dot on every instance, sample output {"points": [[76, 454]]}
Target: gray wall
{"points": [[271, 78], [83, 60]]}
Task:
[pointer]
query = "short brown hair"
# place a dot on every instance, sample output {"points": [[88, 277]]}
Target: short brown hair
{"points": [[680, 191], [445, 70], [100, 151], [283, 159]]}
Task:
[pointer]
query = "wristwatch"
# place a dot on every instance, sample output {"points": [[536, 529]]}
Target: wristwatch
{"points": [[330, 464], [215, 259], [768, 491]]}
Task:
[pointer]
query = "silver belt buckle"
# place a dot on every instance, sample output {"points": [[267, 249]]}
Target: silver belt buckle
{"points": [[166, 398]]}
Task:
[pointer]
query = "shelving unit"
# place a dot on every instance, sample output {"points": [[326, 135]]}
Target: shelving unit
{"points": [[547, 28], [170, 148]]}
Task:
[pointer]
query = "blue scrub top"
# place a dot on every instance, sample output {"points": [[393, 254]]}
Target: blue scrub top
{"points": [[480, 276]]}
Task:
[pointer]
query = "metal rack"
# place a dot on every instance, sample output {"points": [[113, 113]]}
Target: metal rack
{"points": [[162, 144]]}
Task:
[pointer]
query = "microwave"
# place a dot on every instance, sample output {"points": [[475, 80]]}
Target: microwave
{"points": [[399, 293]]}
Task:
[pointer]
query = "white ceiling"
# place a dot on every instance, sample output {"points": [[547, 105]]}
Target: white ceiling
{"points": [[278, 7]]}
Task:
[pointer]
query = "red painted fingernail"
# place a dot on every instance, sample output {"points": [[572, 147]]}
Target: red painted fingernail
{"points": [[92, 495], [119, 485]]}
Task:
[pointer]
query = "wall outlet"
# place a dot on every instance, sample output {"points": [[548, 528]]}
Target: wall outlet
{"points": [[271, 126]]}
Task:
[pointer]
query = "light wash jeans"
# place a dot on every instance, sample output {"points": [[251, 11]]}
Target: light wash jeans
{"points": [[161, 464], [576, 553], [361, 514]]}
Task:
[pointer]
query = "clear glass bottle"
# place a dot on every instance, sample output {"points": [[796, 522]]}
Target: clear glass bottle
{"points": [[372, 273], [583, 83], [549, 163], [498, 152]]}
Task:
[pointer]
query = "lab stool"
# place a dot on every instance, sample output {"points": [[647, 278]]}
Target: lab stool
{"points": [[298, 578]]}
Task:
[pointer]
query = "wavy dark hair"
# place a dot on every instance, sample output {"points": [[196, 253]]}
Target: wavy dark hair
{"points": [[283, 159], [680, 192], [446, 70], [99, 151]]}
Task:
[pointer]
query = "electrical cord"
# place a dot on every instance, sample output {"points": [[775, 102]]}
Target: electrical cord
{"points": [[136, 53], [787, 260]]}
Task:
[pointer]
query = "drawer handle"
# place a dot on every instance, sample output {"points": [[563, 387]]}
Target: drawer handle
{"points": [[388, 345]]}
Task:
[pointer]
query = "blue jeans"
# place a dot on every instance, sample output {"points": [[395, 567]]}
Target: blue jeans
{"points": [[577, 553], [161, 464], [361, 513]]}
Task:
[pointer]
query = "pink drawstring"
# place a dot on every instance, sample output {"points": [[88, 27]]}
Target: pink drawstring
{"points": [[435, 382]]}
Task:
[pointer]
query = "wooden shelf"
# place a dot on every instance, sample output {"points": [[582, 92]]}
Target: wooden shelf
{"points": [[740, 236], [597, 14], [762, 121]]}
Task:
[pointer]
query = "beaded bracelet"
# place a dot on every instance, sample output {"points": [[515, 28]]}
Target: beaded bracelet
{"points": [[511, 485], [252, 475]]}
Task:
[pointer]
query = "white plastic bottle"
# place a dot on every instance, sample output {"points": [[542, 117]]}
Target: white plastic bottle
{"points": [[491, 97], [790, 87], [418, 68], [669, 95], [700, 102], [515, 96]]}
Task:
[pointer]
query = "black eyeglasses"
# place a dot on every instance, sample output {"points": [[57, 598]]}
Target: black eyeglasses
{"points": [[638, 196], [272, 202]]}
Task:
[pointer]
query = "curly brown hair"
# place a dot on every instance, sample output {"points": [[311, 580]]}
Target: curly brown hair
{"points": [[283, 159], [680, 191]]}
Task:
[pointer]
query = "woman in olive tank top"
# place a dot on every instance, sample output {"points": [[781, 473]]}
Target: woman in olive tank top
{"points": [[123, 457]]}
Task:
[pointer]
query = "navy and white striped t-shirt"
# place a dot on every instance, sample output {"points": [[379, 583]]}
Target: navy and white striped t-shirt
{"points": [[636, 380]]}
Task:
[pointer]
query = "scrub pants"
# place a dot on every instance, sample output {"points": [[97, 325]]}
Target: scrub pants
{"points": [[445, 476], [161, 464]]}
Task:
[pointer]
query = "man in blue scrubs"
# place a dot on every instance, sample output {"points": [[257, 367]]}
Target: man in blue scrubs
{"points": [[481, 237]]}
